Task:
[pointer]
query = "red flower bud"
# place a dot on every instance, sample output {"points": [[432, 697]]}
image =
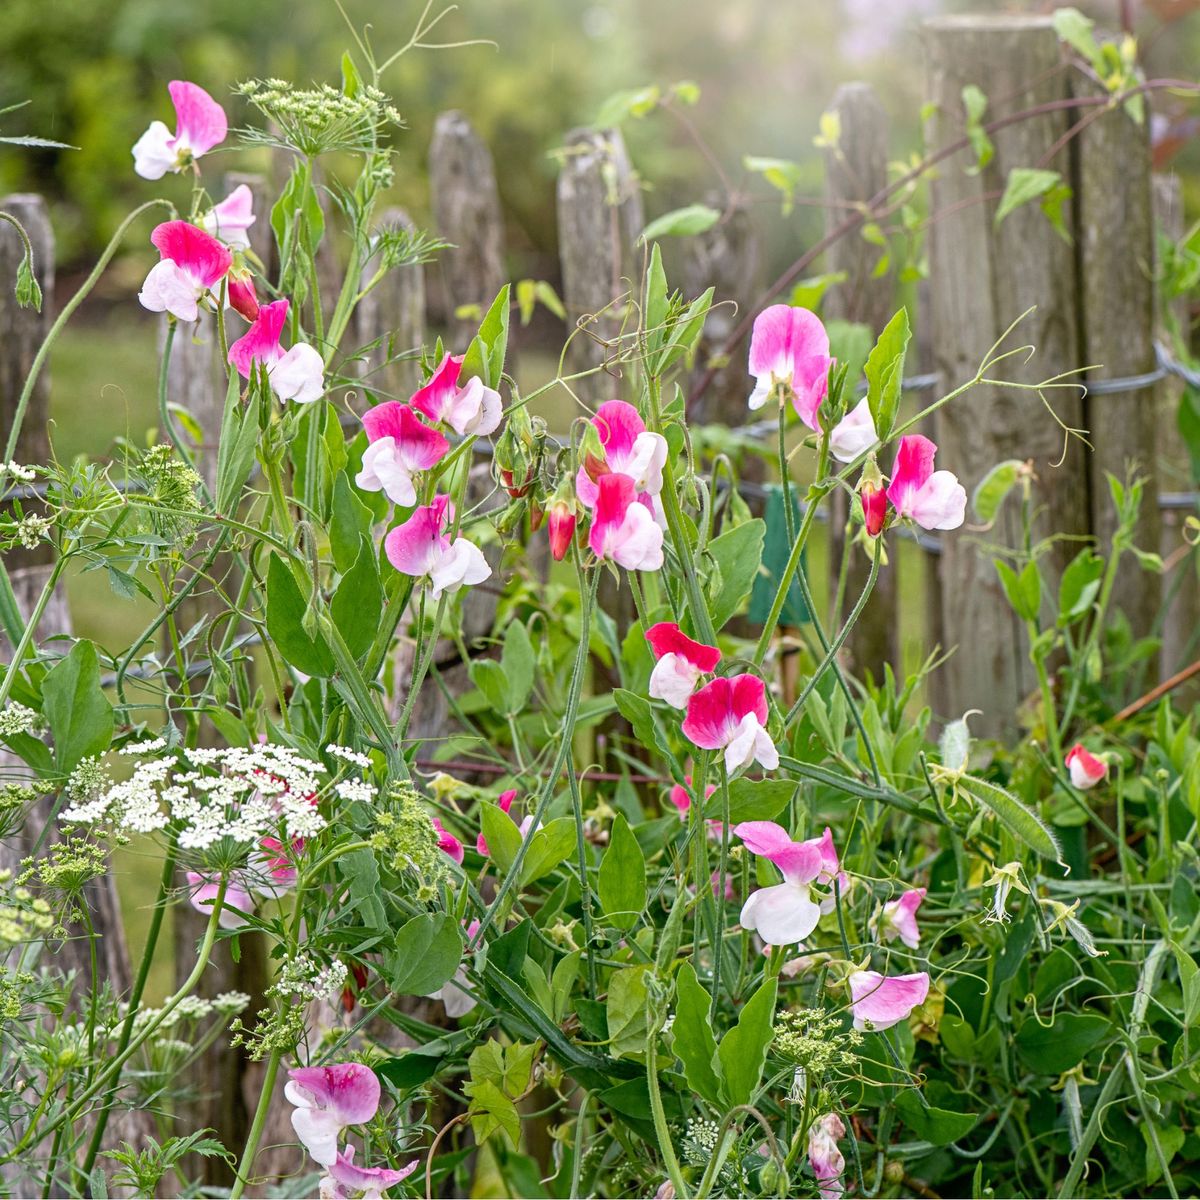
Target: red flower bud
{"points": [[874, 502], [242, 297], [561, 528], [595, 467]]}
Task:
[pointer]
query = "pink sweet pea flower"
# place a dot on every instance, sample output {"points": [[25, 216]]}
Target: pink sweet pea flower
{"points": [[624, 530], [934, 499], [899, 918], [505, 803], [786, 912], [453, 993], [199, 126], [682, 799], [790, 346], [345, 1181], [327, 1100], [881, 1001], [230, 219], [400, 445], [237, 903], [628, 450], [854, 434], [824, 1156], [273, 869], [295, 374], [731, 715], [1086, 769], [447, 842], [420, 547], [681, 662], [192, 264], [473, 409]]}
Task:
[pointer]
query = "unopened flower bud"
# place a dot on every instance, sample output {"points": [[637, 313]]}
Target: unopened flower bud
{"points": [[561, 528], [242, 297], [874, 502]]}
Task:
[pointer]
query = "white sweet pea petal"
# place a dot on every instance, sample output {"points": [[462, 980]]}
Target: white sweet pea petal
{"points": [[382, 471], [781, 915], [762, 390], [646, 462], [475, 409], [298, 375], [462, 565], [853, 434], [168, 288], [673, 680], [154, 153], [317, 1129], [749, 743]]}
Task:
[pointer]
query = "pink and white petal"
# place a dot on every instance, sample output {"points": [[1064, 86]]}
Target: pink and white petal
{"points": [[318, 1131], [349, 1090], [200, 255], [474, 410], [586, 489], [854, 434], [384, 420], [673, 680], [765, 751], [810, 383], [619, 425], [260, 343], [913, 466], [781, 915], [298, 375], [154, 153], [435, 398], [667, 638], [645, 462], [639, 540], [383, 470], [168, 288], [709, 723], [200, 120], [879, 1001], [765, 838], [748, 694], [420, 446], [462, 566], [230, 219], [740, 750], [236, 905], [941, 503], [414, 546], [761, 392], [825, 1158], [614, 495], [829, 855], [783, 336]]}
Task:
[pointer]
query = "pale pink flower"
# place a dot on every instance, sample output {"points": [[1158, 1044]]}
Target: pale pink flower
{"points": [[231, 219], [345, 1181], [682, 799], [473, 409], [824, 1156], [785, 913], [199, 126], [681, 662], [1086, 769], [854, 434], [327, 1100], [237, 903], [899, 918], [623, 529], [192, 264], [629, 449], [400, 445], [881, 1001], [731, 715], [296, 374], [790, 346], [933, 499], [420, 547]]}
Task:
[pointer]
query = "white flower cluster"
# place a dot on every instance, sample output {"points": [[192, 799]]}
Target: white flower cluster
{"points": [[18, 472], [242, 793], [32, 530], [195, 1008], [16, 718], [348, 755], [301, 976]]}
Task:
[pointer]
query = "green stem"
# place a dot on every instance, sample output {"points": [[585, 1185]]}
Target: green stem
{"points": [[30, 631], [660, 1120]]}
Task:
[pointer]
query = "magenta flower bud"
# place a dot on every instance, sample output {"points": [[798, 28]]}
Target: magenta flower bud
{"points": [[242, 297], [560, 525]]}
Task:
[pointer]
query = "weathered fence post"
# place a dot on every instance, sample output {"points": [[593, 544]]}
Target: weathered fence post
{"points": [[393, 312], [855, 170], [1115, 223], [984, 276], [1181, 580], [599, 216], [466, 212]]}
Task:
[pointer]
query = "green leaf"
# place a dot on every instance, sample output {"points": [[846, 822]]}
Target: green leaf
{"points": [[626, 1011], [1066, 1042], [549, 848], [654, 301], [425, 955], [743, 1049], [493, 1112], [286, 609], [681, 222], [74, 704], [622, 879], [1075, 29], [1170, 1141], [1079, 587], [991, 490], [1024, 591], [488, 676], [235, 449], [737, 554], [782, 174], [639, 712], [692, 1035], [885, 373], [1021, 822], [937, 1126], [486, 353], [501, 834], [1022, 185], [357, 604], [349, 522], [752, 800], [975, 104], [516, 661]]}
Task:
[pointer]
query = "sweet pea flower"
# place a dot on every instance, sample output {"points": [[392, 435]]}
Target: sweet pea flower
{"points": [[345, 1181], [230, 219], [786, 912], [236, 905], [327, 1100], [505, 803], [854, 434], [680, 664], [629, 449], [623, 529], [731, 715], [199, 126], [560, 528], [933, 499], [400, 445], [881, 1001], [682, 799], [447, 843], [1086, 769], [192, 263], [899, 918], [790, 346], [824, 1156], [421, 548], [240, 293], [295, 374], [274, 869], [473, 409], [453, 993]]}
